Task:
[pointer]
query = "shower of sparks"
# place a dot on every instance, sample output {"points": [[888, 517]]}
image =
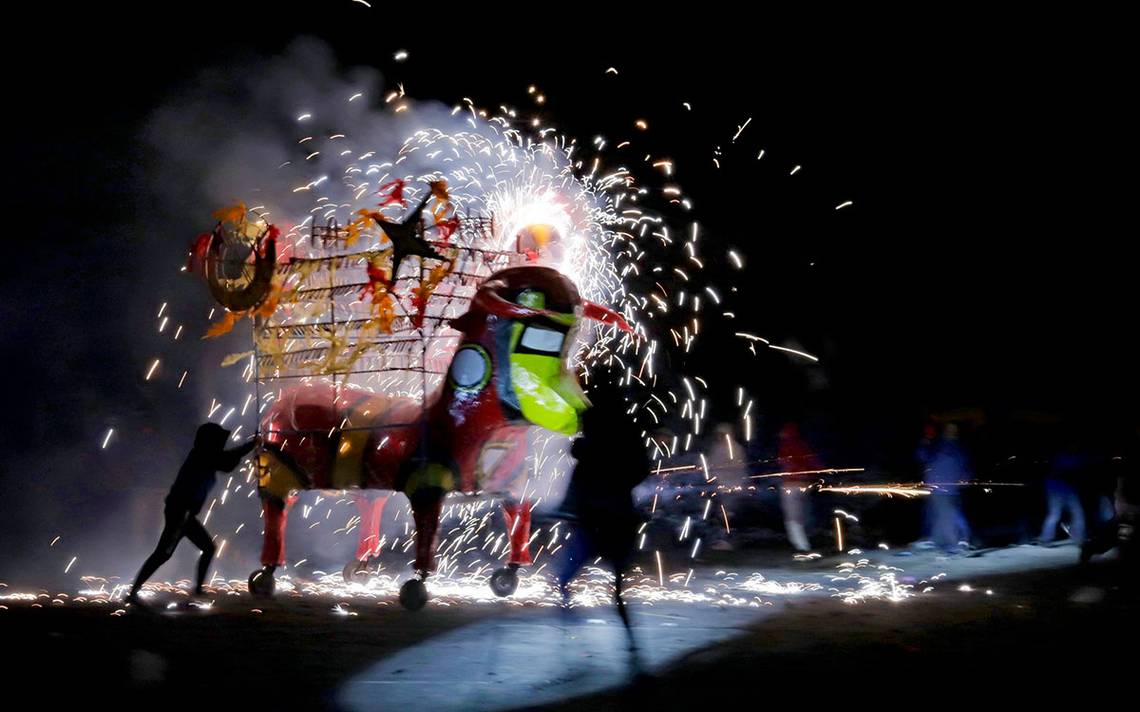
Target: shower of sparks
{"points": [[627, 239], [885, 490], [794, 351], [797, 473]]}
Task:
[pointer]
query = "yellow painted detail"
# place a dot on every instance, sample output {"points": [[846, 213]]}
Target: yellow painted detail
{"points": [[348, 467], [275, 477], [432, 474]]}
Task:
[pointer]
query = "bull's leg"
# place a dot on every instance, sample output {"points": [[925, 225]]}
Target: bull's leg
{"points": [[368, 535], [367, 532], [427, 503], [276, 514], [505, 581], [371, 514], [517, 515]]}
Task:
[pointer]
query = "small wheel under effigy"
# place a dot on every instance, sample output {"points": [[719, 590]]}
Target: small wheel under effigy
{"points": [[261, 583], [413, 594], [505, 581], [356, 572]]}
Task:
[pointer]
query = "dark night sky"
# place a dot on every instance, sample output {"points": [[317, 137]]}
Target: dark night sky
{"points": [[982, 264]]}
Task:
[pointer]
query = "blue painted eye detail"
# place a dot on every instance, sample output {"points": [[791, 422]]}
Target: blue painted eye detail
{"points": [[471, 368]]}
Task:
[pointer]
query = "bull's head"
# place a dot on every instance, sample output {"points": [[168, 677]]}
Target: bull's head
{"points": [[517, 336], [224, 255]]}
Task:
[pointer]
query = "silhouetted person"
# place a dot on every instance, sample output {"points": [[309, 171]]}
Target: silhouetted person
{"points": [[728, 459], [611, 461], [945, 465], [1120, 530], [797, 459], [1061, 483], [184, 502]]}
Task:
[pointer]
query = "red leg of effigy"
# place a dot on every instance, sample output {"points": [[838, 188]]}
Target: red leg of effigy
{"points": [[426, 507], [368, 539], [276, 515], [518, 528], [377, 518]]}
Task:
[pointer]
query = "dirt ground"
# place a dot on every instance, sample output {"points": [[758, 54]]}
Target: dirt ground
{"points": [[1048, 636], [1038, 634]]}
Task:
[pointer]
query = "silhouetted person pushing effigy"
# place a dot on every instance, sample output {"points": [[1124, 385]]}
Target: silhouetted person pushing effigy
{"points": [[611, 461], [184, 502]]}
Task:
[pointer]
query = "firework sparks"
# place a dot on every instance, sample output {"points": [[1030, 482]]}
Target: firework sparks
{"points": [[618, 232]]}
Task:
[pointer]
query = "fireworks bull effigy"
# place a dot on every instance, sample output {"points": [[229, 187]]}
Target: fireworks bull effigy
{"points": [[509, 371]]}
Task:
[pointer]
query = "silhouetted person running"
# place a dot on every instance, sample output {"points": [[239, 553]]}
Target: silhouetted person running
{"points": [[611, 461], [184, 502]]}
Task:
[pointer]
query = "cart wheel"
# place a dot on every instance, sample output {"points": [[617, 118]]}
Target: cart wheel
{"points": [[356, 572], [261, 583], [413, 594], [505, 581]]}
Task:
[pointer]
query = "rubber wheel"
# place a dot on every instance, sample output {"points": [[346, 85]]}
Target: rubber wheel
{"points": [[413, 594], [261, 584], [504, 582], [356, 572]]}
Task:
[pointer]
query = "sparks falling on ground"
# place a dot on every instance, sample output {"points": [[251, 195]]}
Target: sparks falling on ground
{"points": [[855, 580]]}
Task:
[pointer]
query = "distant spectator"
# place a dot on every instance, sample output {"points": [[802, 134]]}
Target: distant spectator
{"points": [[798, 463], [945, 466], [1061, 483]]}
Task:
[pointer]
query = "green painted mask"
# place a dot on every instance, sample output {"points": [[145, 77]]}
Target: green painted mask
{"points": [[548, 394]]}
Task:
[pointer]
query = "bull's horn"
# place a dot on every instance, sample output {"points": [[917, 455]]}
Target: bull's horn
{"points": [[597, 312]]}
